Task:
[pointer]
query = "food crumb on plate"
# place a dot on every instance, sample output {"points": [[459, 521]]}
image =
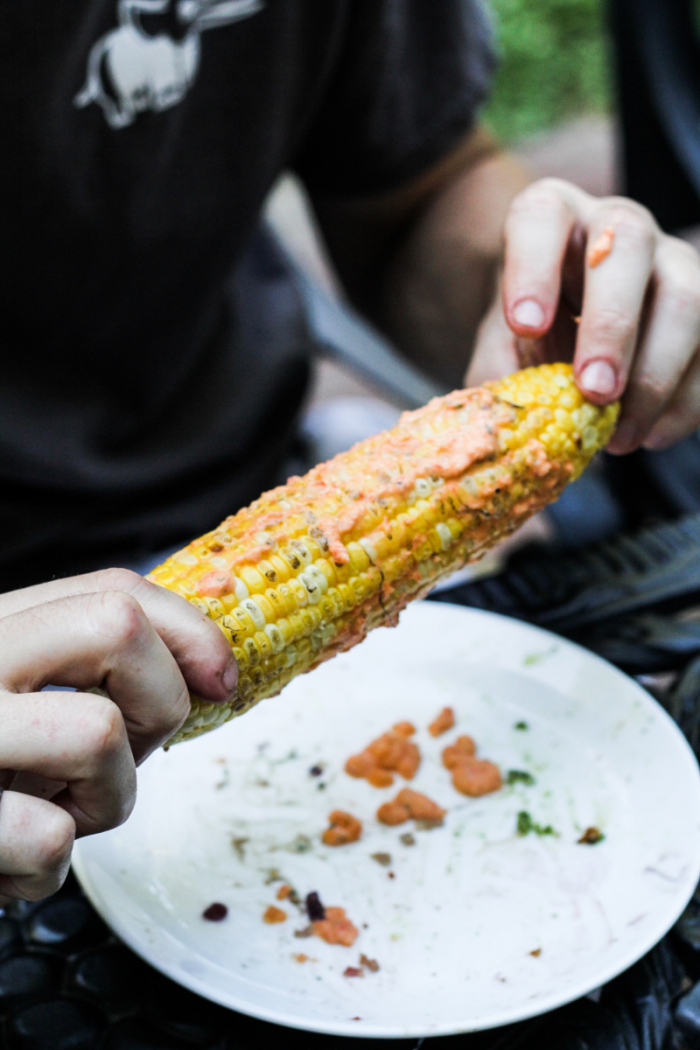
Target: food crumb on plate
{"points": [[382, 858], [463, 748], [273, 915], [392, 752], [444, 721], [536, 953], [353, 971], [409, 804], [476, 777], [215, 912], [314, 907], [344, 829], [591, 836], [284, 891], [371, 964], [336, 928]]}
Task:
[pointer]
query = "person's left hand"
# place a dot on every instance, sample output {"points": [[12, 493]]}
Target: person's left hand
{"points": [[629, 319]]}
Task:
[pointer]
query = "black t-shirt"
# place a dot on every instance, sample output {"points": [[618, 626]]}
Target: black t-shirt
{"points": [[154, 353]]}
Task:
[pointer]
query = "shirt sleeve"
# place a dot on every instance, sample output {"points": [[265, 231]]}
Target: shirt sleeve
{"points": [[407, 83]]}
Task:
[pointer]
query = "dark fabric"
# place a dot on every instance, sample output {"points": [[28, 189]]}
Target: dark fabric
{"points": [[153, 350]]}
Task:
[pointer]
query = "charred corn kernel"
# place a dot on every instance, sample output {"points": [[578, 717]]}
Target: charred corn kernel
{"points": [[252, 652], [278, 607], [264, 645], [309, 568]]}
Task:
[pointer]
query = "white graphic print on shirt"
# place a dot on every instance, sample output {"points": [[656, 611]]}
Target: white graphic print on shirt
{"points": [[130, 70]]}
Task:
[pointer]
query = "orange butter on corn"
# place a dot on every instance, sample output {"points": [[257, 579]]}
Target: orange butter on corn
{"points": [[309, 568]]}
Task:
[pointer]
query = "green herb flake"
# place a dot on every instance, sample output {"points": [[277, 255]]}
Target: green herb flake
{"points": [[519, 776], [239, 845], [522, 726], [525, 825], [301, 844]]}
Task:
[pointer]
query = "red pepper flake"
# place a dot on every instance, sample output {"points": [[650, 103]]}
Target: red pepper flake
{"points": [[300, 957], [353, 971], [284, 891], [371, 964], [215, 912], [390, 875]]}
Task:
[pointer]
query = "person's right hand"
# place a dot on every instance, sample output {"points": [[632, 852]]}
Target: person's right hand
{"points": [[67, 759]]}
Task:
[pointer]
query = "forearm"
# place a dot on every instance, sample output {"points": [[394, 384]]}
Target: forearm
{"points": [[422, 261], [441, 277]]}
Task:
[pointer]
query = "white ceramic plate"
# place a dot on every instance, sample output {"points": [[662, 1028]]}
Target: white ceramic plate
{"points": [[478, 927]]}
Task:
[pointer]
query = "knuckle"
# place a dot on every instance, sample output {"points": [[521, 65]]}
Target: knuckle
{"points": [[539, 199], [683, 292], [611, 326], [168, 719], [652, 391], [103, 733], [56, 843], [629, 219], [122, 810], [117, 579], [119, 616]]}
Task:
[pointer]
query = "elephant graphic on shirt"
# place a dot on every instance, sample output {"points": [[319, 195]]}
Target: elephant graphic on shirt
{"points": [[131, 70]]}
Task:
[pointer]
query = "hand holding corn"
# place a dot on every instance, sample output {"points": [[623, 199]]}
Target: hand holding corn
{"points": [[312, 566]]}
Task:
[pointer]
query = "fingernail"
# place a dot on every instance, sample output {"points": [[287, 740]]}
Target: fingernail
{"points": [[599, 378], [230, 676], [528, 313]]}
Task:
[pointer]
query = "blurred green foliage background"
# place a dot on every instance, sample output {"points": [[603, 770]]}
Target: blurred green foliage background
{"points": [[554, 64]]}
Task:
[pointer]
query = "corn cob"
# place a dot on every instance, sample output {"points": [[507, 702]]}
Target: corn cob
{"points": [[312, 566]]}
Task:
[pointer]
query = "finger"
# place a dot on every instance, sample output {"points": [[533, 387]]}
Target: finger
{"points": [[613, 300], [77, 738], [102, 639], [682, 415], [667, 346], [36, 839], [199, 647], [537, 231], [494, 349]]}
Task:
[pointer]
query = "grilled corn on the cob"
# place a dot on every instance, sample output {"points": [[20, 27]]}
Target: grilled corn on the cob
{"points": [[312, 566]]}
